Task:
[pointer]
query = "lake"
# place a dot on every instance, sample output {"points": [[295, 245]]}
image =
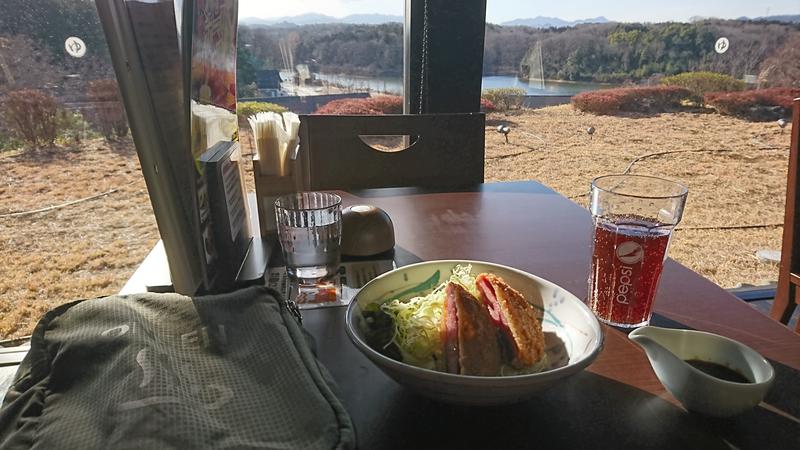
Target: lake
{"points": [[550, 87], [394, 85]]}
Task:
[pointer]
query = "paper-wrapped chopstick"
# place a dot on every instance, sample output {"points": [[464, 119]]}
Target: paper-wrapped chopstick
{"points": [[292, 123], [210, 125], [276, 137]]}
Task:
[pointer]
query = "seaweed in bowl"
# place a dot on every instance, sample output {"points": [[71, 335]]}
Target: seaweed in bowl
{"points": [[468, 325], [379, 331]]}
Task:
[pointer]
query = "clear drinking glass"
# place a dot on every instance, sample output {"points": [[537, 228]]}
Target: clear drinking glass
{"points": [[634, 216], [310, 231]]}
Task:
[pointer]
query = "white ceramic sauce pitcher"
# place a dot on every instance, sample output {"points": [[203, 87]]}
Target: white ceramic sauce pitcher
{"points": [[668, 349]]}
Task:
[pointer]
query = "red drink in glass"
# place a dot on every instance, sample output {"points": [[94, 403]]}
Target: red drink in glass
{"points": [[634, 216], [627, 259]]}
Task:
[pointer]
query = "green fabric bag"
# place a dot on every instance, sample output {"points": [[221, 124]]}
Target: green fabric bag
{"points": [[169, 371]]}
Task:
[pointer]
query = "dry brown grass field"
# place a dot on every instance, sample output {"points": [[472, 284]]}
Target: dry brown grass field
{"points": [[736, 173]]}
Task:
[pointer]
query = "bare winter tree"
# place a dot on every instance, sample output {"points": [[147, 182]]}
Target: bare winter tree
{"points": [[23, 64], [782, 69]]}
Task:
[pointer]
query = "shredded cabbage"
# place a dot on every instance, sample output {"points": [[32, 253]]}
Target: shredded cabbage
{"points": [[418, 321]]}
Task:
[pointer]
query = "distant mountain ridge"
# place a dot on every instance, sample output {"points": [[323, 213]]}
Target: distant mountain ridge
{"points": [[551, 22], [786, 18], [783, 18], [535, 22], [316, 19]]}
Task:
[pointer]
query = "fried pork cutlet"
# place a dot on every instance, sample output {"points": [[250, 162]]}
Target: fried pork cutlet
{"points": [[514, 317], [471, 341]]}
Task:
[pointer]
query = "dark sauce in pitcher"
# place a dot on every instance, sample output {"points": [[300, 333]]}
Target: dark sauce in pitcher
{"points": [[718, 371]]}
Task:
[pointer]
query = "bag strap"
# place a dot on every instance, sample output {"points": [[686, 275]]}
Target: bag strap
{"points": [[304, 342]]}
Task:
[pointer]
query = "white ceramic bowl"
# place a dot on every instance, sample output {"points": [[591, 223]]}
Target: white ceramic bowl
{"points": [[573, 335], [667, 349]]}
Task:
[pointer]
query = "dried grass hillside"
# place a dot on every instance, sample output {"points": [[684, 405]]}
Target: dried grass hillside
{"points": [[735, 171]]}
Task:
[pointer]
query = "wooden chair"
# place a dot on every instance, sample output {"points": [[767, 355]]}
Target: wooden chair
{"points": [[789, 277], [446, 150]]}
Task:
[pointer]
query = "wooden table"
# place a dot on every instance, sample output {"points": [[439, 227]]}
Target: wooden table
{"points": [[617, 402]]}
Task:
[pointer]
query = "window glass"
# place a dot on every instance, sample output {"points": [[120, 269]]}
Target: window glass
{"points": [[76, 217], [696, 92], [319, 57]]}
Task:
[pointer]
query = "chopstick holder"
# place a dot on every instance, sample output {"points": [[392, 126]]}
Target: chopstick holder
{"points": [[274, 163], [270, 138]]}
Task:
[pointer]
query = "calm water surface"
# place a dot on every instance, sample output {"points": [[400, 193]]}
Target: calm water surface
{"points": [[394, 85]]}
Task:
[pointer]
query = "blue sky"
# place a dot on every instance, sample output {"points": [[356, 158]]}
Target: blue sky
{"points": [[504, 10]]}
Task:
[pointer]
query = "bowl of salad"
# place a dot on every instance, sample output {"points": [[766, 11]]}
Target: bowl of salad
{"points": [[472, 332]]}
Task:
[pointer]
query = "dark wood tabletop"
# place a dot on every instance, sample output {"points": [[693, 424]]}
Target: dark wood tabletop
{"points": [[617, 401]]}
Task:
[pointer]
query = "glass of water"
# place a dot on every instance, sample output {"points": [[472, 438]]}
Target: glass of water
{"points": [[310, 232]]}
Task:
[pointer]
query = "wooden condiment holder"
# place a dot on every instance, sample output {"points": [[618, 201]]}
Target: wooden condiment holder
{"points": [[269, 188]]}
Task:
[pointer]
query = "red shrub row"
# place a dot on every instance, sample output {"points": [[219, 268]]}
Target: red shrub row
{"points": [[643, 99], [487, 106], [386, 104], [382, 104], [33, 114], [761, 104]]}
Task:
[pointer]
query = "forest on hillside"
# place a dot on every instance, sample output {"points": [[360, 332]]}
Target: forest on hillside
{"points": [[32, 47], [611, 52], [616, 52], [32, 35]]}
